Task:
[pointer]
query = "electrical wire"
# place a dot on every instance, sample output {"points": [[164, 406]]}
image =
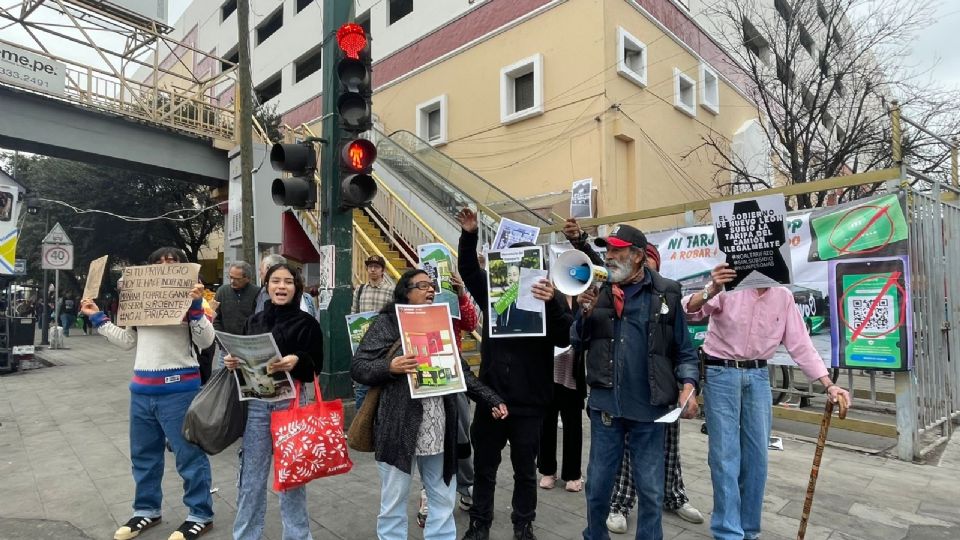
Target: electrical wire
{"points": [[164, 216]]}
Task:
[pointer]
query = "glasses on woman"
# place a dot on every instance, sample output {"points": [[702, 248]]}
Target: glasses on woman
{"points": [[423, 286]]}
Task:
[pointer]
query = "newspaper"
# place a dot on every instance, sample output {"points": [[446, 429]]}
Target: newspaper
{"points": [[254, 354]]}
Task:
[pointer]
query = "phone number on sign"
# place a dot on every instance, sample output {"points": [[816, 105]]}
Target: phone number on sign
{"points": [[23, 77]]}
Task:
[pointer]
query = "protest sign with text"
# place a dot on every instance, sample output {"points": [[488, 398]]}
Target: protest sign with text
{"points": [[94, 277], [751, 233], [156, 294]]}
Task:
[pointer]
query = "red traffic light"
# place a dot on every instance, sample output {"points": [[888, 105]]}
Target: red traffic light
{"points": [[351, 39], [358, 155]]}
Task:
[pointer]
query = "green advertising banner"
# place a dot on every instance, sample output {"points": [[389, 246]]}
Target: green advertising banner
{"points": [[872, 227]]}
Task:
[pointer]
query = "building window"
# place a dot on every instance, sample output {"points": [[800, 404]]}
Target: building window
{"points": [[307, 65], [302, 5], [227, 9], [631, 58], [270, 25], [231, 59], [432, 120], [684, 93], [755, 42], [709, 89], [269, 89], [521, 90], [398, 9]]}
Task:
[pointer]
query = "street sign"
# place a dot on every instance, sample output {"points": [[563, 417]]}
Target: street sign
{"points": [[20, 267], [57, 236], [57, 256]]}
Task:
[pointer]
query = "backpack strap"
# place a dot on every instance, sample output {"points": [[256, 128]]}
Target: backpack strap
{"points": [[356, 297]]}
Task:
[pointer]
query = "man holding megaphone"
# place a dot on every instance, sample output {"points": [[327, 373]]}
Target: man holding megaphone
{"points": [[633, 332]]}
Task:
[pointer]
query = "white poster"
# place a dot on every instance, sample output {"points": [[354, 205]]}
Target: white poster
{"points": [[581, 199], [751, 233], [504, 280], [511, 232], [31, 70]]}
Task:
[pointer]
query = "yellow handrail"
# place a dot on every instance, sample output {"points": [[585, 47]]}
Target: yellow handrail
{"points": [[405, 206], [390, 268]]}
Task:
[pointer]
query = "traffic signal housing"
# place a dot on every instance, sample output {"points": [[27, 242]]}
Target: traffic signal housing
{"points": [[357, 186], [298, 190]]}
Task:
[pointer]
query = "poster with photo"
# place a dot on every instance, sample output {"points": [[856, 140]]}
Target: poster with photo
{"points": [[511, 232], [871, 227], [427, 330], [505, 272], [254, 354], [751, 233], [437, 262], [581, 199], [357, 325]]}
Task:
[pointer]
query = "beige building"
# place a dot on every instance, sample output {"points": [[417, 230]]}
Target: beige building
{"points": [[567, 90]]}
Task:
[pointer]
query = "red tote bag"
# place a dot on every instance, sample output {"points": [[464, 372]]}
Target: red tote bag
{"points": [[308, 441]]}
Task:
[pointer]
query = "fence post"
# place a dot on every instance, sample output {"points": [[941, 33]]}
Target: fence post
{"points": [[906, 415], [954, 180], [896, 133]]}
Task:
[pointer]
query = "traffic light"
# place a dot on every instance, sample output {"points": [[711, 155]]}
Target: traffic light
{"points": [[357, 187], [299, 190]]}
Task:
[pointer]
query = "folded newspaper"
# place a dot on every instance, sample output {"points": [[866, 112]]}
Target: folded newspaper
{"points": [[254, 354]]}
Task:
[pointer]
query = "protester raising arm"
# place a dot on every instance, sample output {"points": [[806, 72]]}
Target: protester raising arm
{"points": [[474, 277]]}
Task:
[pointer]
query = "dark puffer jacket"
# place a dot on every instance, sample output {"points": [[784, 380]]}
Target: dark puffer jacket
{"points": [[399, 416]]}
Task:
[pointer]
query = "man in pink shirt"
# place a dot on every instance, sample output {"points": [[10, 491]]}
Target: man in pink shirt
{"points": [[745, 329]]}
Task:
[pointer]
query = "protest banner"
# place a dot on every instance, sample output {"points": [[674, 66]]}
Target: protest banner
{"points": [[156, 294], [437, 261], [427, 330], [94, 278], [581, 199], [752, 236], [870, 227], [872, 313]]}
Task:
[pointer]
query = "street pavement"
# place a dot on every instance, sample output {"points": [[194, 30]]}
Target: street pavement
{"points": [[64, 465]]}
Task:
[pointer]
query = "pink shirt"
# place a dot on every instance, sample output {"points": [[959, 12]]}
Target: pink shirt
{"points": [[747, 325]]}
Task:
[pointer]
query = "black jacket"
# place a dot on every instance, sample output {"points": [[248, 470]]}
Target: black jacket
{"points": [[295, 332], [518, 369], [398, 418], [235, 308]]}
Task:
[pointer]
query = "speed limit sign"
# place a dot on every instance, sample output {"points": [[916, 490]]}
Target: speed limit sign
{"points": [[57, 256]]}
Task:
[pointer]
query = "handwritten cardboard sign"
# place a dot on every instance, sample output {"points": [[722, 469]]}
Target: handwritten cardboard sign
{"points": [[95, 277], [156, 295]]}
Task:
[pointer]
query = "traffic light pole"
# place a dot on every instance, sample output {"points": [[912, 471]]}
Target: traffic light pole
{"points": [[336, 226]]}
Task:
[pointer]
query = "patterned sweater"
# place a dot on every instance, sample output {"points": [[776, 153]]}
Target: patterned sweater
{"points": [[165, 361]]}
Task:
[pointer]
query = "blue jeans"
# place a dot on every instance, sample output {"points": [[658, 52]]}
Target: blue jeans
{"points": [[739, 414], [154, 419], [645, 444], [256, 458], [395, 492], [359, 393], [66, 321]]}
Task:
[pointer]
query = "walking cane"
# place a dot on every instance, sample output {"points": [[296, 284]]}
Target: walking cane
{"points": [[815, 471]]}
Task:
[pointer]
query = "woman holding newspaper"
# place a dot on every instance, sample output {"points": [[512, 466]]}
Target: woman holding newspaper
{"points": [[299, 339], [408, 429]]}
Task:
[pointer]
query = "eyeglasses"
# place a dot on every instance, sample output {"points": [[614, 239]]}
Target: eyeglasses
{"points": [[423, 286]]}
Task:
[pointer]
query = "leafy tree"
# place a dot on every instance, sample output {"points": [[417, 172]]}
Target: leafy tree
{"points": [[99, 195]]}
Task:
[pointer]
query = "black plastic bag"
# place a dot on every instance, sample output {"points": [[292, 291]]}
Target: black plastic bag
{"points": [[216, 417]]}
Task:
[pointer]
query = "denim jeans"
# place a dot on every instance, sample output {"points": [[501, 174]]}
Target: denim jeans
{"points": [[739, 413], [395, 492], [153, 419], [256, 458], [359, 394], [645, 444], [66, 321]]}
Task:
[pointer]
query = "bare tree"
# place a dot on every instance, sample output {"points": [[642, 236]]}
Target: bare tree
{"points": [[823, 74]]}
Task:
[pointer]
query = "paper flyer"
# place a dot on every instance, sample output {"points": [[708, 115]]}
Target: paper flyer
{"points": [[751, 233], [510, 232], [437, 262], [427, 330], [254, 353], [504, 269], [357, 325]]}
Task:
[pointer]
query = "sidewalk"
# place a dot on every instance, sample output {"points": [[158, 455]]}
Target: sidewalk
{"points": [[64, 464]]}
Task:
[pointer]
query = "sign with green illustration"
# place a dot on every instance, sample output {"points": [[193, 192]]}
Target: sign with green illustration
{"points": [[437, 261], [871, 227], [357, 325]]}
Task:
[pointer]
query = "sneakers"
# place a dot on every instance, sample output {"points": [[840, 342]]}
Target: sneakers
{"points": [[617, 523], [422, 512], [548, 481], [134, 526], [477, 531], [189, 530], [688, 513], [574, 486], [523, 531]]}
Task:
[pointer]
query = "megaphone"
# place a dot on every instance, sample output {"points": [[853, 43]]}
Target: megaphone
{"points": [[573, 273]]}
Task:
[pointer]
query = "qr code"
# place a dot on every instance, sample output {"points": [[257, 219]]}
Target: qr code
{"points": [[882, 319]]}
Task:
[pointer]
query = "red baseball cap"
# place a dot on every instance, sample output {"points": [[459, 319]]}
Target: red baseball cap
{"points": [[623, 236]]}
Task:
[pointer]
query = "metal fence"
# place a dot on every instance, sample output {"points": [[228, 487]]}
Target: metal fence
{"points": [[927, 399]]}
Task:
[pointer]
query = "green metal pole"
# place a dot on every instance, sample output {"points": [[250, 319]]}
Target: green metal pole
{"points": [[336, 226]]}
